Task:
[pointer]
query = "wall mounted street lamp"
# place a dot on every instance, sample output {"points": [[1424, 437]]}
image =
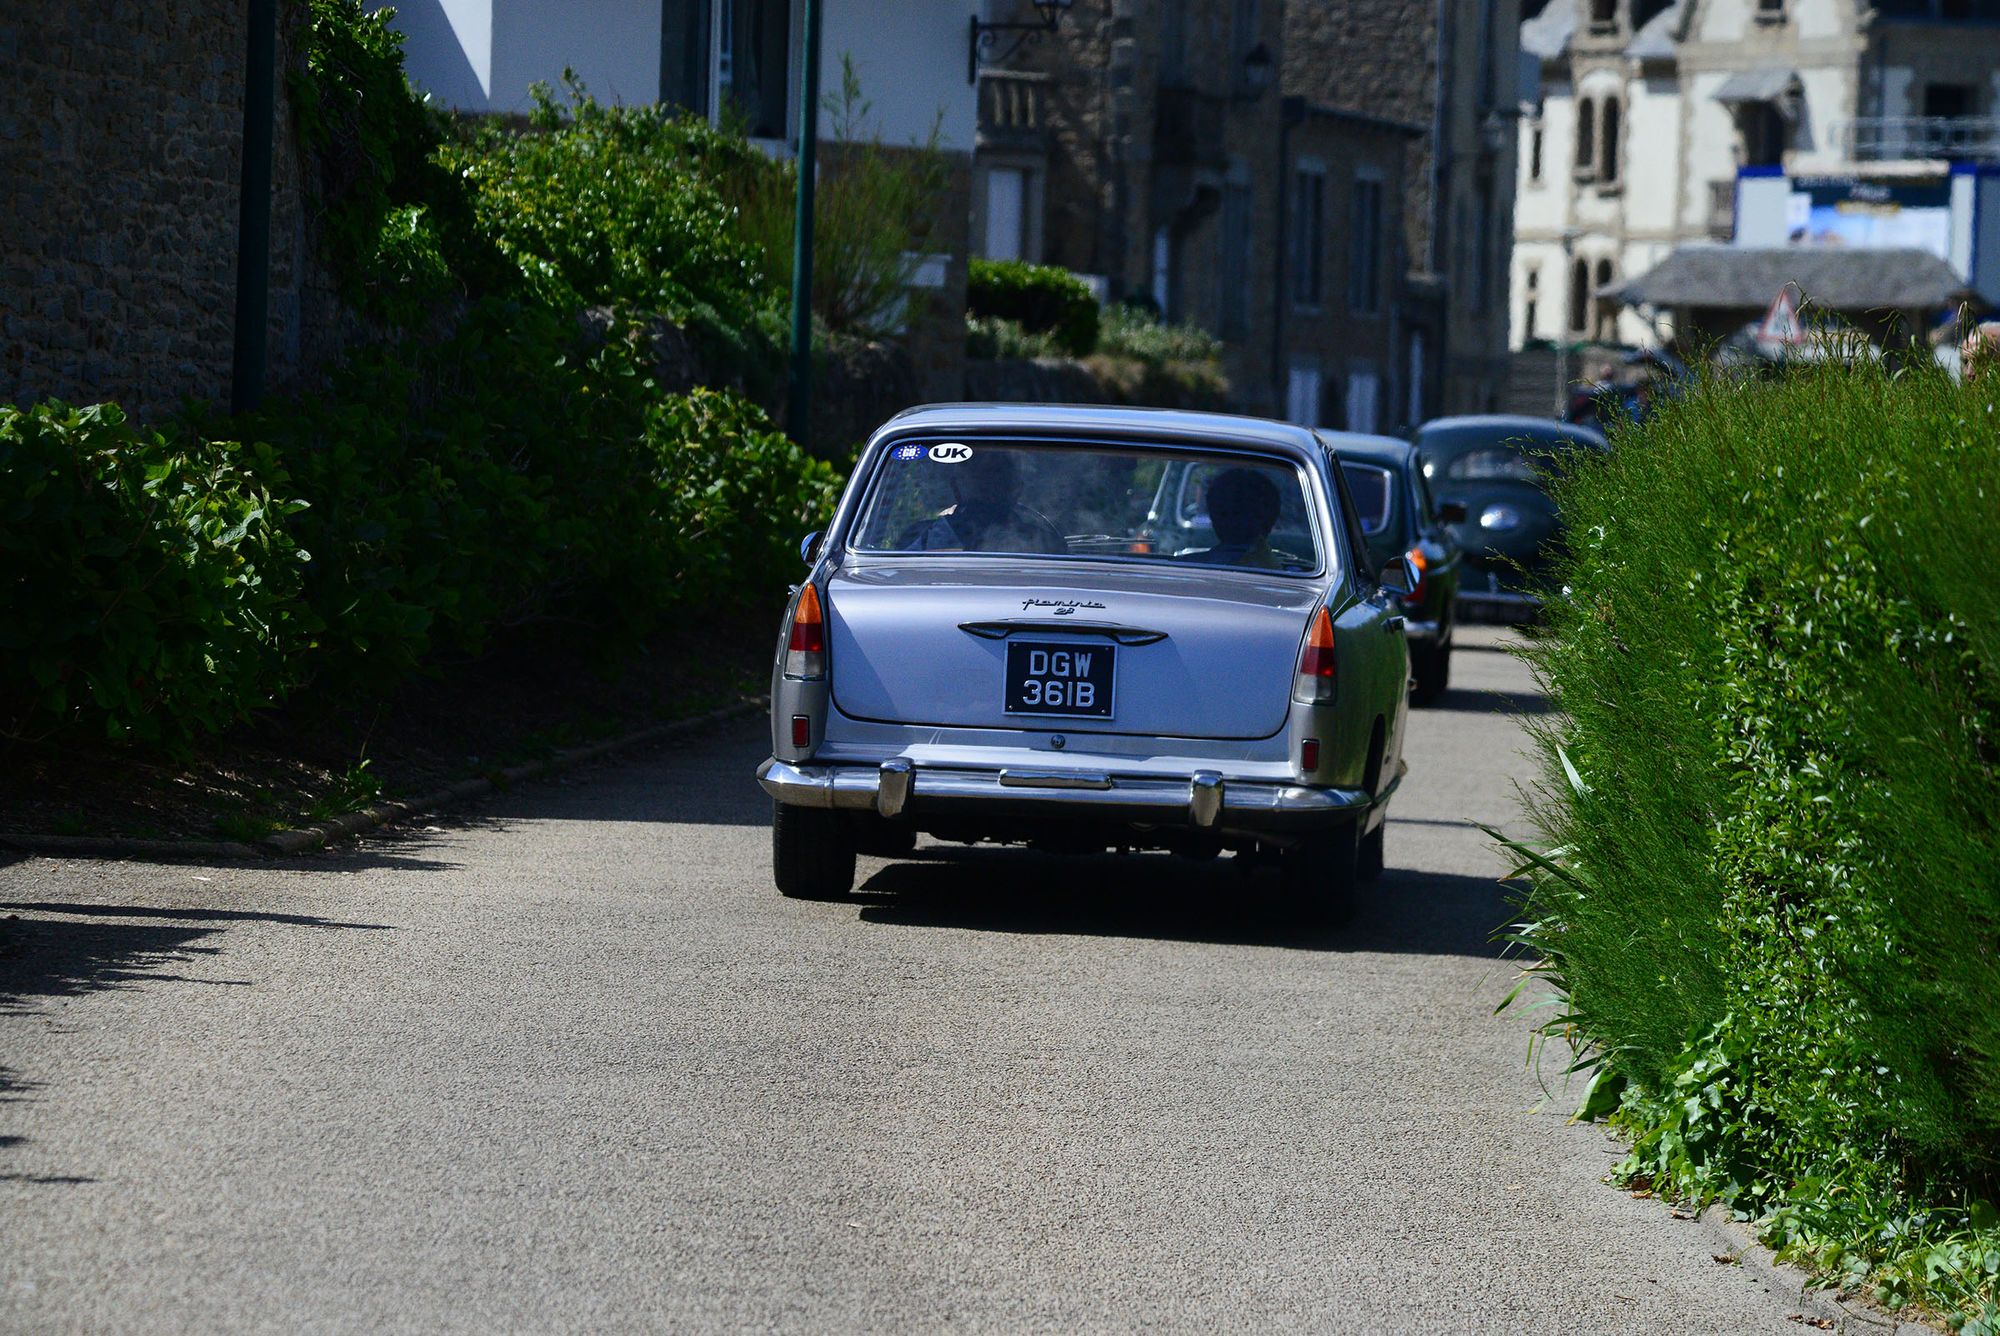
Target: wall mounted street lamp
{"points": [[1048, 18]]}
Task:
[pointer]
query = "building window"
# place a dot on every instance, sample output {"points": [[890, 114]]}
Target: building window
{"points": [[1603, 15], [1531, 283], [1605, 305], [1234, 270], [753, 65], [1579, 297], [1364, 395], [1006, 213], [1764, 134], [1535, 152], [1948, 102], [1364, 262], [685, 55], [1586, 137], [1770, 11], [1303, 392], [1309, 235], [1607, 170]]}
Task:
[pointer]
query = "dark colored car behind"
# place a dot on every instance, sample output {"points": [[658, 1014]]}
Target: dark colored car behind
{"points": [[1400, 518], [1496, 469]]}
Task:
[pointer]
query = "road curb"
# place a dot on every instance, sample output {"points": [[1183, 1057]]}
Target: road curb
{"points": [[306, 839]]}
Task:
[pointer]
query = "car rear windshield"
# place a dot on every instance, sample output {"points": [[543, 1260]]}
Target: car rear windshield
{"points": [[1192, 507]]}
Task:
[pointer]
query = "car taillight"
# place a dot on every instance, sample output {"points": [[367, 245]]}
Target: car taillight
{"points": [[805, 645], [1315, 682], [1423, 565]]}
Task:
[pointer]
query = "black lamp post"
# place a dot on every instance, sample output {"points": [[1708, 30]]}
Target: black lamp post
{"points": [[1048, 18]]}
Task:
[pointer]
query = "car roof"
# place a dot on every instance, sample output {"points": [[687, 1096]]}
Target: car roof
{"points": [[1137, 423], [1389, 451], [1498, 426]]}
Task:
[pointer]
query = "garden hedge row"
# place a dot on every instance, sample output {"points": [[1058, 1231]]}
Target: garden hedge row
{"points": [[1772, 788], [1041, 298]]}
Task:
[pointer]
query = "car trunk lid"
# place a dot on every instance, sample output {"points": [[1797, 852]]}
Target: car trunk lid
{"points": [[1197, 653]]}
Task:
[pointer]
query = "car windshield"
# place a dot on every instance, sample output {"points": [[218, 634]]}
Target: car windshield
{"points": [[1374, 492], [1185, 506]]}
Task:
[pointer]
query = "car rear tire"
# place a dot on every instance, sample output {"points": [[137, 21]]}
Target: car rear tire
{"points": [[1368, 864], [1430, 665], [1318, 875], [812, 853]]}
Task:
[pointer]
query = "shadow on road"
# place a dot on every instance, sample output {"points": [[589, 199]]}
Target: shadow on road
{"points": [[1168, 899], [1485, 700]]}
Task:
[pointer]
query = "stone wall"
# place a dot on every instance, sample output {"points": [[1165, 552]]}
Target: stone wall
{"points": [[120, 146]]}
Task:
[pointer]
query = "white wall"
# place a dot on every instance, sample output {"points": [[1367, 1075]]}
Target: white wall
{"points": [[448, 48], [613, 45], [910, 58]]}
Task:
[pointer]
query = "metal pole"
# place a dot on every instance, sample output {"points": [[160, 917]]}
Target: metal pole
{"points": [[253, 224], [799, 399]]}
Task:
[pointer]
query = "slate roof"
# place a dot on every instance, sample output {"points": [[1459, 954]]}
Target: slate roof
{"points": [[1832, 277], [1765, 84], [1655, 41], [1547, 34]]}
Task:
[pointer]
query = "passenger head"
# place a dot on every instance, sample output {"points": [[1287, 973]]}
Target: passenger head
{"points": [[1242, 506]]}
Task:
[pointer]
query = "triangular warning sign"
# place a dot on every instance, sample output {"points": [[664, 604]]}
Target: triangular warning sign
{"points": [[1781, 323]]}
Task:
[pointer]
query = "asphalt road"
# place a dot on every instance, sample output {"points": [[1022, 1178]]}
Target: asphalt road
{"points": [[568, 1063]]}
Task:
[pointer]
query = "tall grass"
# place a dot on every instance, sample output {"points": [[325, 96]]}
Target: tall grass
{"points": [[1772, 789]]}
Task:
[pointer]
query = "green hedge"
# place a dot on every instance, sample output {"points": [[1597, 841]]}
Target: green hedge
{"points": [[151, 584], [1773, 785], [1041, 298]]}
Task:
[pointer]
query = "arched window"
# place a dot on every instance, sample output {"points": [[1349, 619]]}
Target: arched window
{"points": [[1586, 135], [1606, 304], [1607, 171], [1579, 297]]}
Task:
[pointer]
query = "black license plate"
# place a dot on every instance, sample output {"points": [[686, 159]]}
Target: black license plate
{"points": [[1060, 679]]}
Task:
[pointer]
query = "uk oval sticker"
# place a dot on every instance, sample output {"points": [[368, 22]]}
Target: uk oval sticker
{"points": [[951, 452]]}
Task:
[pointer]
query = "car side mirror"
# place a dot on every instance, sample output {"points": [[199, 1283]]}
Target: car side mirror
{"points": [[1451, 512], [1399, 576], [809, 547]]}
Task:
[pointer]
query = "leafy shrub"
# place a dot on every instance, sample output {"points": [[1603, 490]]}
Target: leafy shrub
{"points": [[875, 208], [996, 337], [1041, 298], [396, 225], [150, 580], [1773, 782], [1129, 331]]}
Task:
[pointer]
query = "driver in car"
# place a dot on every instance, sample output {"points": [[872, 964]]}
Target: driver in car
{"points": [[987, 514]]}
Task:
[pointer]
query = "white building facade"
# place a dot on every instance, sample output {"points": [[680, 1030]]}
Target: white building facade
{"points": [[722, 58], [1649, 111]]}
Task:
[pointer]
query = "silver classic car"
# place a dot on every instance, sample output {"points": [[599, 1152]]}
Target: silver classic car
{"points": [[1091, 628]]}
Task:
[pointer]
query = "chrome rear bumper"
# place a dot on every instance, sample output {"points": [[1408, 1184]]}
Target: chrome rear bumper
{"points": [[1204, 800]]}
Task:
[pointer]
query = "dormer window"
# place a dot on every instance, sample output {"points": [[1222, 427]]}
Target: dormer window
{"points": [[1604, 15]]}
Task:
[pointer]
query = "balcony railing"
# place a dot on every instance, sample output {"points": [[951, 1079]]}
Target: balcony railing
{"points": [[1013, 107], [1878, 138]]}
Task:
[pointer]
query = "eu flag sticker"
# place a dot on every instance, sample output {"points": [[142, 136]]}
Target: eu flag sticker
{"points": [[909, 452]]}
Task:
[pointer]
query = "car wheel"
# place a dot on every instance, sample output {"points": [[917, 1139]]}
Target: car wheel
{"points": [[812, 853], [1431, 666], [1318, 875], [1368, 865]]}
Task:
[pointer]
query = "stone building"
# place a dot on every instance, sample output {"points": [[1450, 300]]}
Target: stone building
{"points": [[121, 134], [1450, 67], [1659, 120], [1142, 144], [1152, 148]]}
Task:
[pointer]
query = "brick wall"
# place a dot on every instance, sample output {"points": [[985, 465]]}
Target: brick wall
{"points": [[120, 147]]}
